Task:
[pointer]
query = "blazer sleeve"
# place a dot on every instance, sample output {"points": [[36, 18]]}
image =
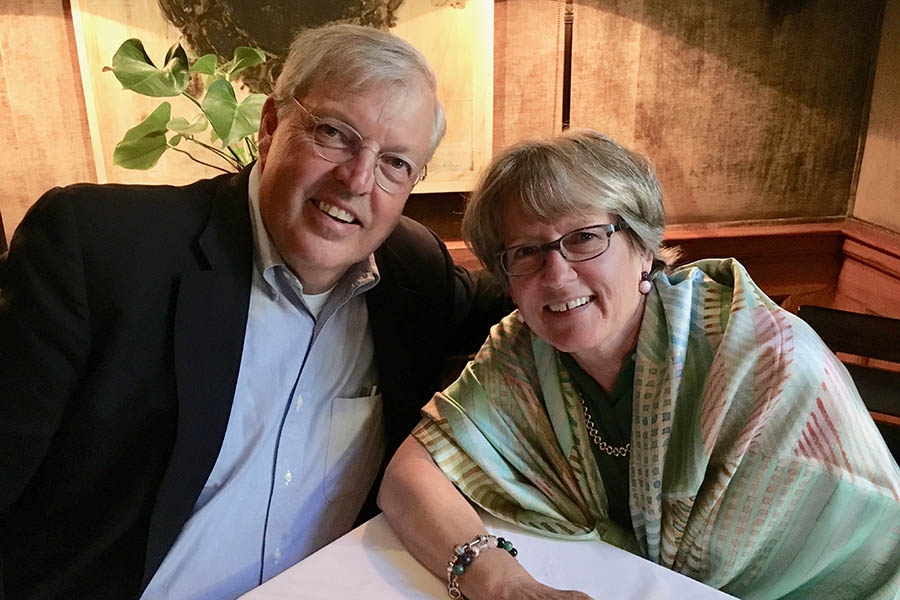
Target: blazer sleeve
{"points": [[44, 338], [479, 302], [462, 304]]}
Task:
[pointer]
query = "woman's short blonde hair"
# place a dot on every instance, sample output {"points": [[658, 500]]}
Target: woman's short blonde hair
{"points": [[576, 173]]}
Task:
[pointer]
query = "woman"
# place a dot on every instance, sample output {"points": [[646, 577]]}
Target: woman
{"points": [[683, 416]]}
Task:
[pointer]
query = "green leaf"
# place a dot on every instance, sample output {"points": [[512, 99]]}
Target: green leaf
{"points": [[136, 72], [144, 144], [175, 140], [185, 127], [230, 120], [206, 65], [244, 58], [251, 108]]}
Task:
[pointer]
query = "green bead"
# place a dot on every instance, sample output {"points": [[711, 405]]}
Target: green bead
{"points": [[507, 545], [458, 569]]}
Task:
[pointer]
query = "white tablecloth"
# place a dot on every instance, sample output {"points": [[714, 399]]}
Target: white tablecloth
{"points": [[371, 562]]}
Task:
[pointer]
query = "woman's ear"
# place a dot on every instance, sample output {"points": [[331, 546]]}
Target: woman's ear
{"points": [[647, 261]]}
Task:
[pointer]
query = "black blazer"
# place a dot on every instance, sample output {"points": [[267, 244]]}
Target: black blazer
{"points": [[122, 317]]}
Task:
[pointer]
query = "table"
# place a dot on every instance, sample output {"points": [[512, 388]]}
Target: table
{"points": [[371, 562]]}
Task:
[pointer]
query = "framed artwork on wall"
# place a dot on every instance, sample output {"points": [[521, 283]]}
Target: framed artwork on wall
{"points": [[455, 36]]}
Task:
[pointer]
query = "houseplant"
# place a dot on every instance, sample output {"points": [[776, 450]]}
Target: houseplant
{"points": [[224, 129]]}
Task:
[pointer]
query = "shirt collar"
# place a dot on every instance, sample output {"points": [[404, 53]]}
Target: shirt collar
{"points": [[268, 261]]}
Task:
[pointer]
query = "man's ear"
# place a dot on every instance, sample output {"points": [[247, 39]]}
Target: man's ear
{"points": [[268, 122]]}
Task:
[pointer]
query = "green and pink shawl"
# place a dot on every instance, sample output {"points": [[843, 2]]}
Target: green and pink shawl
{"points": [[755, 466]]}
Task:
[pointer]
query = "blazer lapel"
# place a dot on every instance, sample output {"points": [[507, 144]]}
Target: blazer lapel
{"points": [[208, 337]]}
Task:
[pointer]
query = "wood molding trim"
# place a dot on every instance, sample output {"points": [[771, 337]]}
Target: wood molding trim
{"points": [[844, 263], [869, 280], [885, 418]]}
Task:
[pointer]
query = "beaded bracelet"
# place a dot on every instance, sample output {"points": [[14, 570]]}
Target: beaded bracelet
{"points": [[464, 555]]}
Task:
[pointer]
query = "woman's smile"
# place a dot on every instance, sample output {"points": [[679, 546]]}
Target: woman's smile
{"points": [[563, 307]]}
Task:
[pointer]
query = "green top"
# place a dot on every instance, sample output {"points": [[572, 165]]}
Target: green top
{"points": [[612, 417]]}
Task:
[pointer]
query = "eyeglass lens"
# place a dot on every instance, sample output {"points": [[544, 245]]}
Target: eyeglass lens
{"points": [[575, 246], [338, 142]]}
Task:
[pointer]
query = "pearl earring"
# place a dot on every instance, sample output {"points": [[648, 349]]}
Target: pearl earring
{"points": [[644, 286]]}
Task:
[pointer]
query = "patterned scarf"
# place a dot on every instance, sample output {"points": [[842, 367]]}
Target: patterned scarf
{"points": [[755, 466]]}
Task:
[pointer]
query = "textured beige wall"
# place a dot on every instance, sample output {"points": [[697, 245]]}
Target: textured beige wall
{"points": [[878, 191], [750, 110], [44, 134], [700, 144], [528, 69]]}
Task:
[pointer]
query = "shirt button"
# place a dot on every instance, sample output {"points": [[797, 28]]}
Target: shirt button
{"points": [[299, 402], [288, 477], [277, 553]]}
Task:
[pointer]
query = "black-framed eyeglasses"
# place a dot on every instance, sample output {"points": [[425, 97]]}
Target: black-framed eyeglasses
{"points": [[338, 142], [578, 245]]}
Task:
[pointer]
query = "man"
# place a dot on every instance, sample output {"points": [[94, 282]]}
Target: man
{"points": [[200, 384]]}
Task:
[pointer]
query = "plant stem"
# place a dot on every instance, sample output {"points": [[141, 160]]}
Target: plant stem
{"points": [[235, 155], [236, 163], [192, 99], [197, 160]]}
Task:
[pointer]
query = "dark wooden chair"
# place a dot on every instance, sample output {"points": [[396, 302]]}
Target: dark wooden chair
{"points": [[867, 337]]}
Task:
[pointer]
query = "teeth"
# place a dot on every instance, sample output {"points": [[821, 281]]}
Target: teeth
{"points": [[570, 304], [334, 211]]}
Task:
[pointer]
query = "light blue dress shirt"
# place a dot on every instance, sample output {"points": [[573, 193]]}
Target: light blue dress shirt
{"points": [[304, 438]]}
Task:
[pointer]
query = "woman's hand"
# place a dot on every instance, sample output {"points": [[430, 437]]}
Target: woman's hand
{"points": [[528, 588], [431, 517], [497, 575]]}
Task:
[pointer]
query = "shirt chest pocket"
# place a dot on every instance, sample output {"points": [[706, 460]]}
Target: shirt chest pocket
{"points": [[355, 446]]}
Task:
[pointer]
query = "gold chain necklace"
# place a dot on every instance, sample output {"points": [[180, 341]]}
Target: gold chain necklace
{"points": [[617, 451]]}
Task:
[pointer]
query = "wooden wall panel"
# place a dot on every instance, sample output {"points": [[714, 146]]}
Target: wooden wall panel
{"points": [[528, 69], [749, 109], [44, 135]]}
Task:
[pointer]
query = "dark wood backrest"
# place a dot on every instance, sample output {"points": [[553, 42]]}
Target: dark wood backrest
{"points": [[855, 333], [870, 336]]}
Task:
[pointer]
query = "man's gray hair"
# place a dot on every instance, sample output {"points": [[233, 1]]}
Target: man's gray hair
{"points": [[356, 59]]}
